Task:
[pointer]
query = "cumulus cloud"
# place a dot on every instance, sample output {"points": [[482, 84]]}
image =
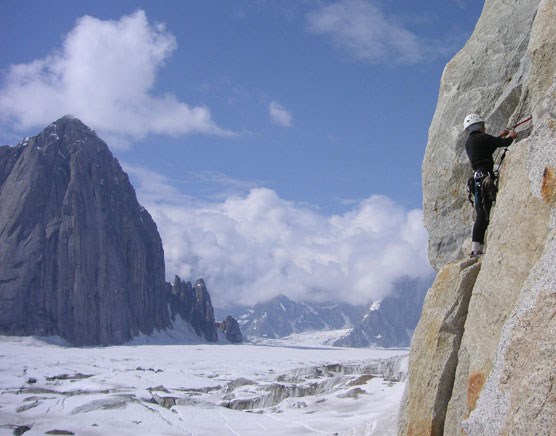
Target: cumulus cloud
{"points": [[104, 74], [279, 115], [252, 247], [361, 28]]}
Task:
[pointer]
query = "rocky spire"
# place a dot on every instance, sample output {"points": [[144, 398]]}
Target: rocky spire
{"points": [[193, 304], [202, 316], [80, 257]]}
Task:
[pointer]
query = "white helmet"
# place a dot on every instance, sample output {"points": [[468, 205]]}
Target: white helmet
{"points": [[472, 119]]}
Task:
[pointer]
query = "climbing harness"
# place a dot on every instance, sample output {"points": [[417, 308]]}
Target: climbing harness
{"points": [[482, 186]]}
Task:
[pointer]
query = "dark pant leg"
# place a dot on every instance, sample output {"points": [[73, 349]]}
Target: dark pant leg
{"points": [[482, 207]]}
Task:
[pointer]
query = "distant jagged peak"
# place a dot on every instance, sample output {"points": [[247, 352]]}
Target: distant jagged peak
{"points": [[200, 283]]}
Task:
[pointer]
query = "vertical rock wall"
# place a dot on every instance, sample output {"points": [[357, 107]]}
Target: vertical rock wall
{"points": [[487, 77], [80, 257], [499, 378]]}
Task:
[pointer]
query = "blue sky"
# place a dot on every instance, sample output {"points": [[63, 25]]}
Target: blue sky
{"points": [[277, 144]]}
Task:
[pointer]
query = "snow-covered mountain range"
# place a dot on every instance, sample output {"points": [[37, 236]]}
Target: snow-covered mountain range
{"points": [[386, 323]]}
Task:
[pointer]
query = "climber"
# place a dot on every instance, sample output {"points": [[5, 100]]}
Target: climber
{"points": [[480, 147]]}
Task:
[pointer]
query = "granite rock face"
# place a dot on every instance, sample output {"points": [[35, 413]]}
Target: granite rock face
{"points": [[202, 315], [500, 374], [181, 299], [193, 304], [488, 76], [434, 361], [80, 257]]}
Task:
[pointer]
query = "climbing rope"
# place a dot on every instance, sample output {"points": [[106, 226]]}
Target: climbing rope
{"points": [[502, 154], [522, 122]]}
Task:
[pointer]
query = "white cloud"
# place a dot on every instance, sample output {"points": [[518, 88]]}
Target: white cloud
{"points": [[154, 186], [361, 28], [252, 247], [104, 74], [279, 115]]}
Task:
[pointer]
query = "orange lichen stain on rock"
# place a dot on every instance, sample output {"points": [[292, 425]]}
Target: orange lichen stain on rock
{"points": [[422, 428], [548, 186], [476, 382]]}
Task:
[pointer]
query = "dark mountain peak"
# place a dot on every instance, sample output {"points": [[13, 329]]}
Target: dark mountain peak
{"points": [[194, 306], [80, 257], [69, 128], [59, 142]]}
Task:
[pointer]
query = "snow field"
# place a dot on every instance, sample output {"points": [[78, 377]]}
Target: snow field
{"points": [[199, 389]]}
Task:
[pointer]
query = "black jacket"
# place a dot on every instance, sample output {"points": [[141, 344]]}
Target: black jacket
{"points": [[480, 147]]}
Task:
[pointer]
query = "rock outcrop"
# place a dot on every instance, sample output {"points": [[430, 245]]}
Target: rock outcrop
{"points": [[80, 257], [231, 330], [193, 304], [181, 299], [202, 315], [482, 357], [433, 363]]}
